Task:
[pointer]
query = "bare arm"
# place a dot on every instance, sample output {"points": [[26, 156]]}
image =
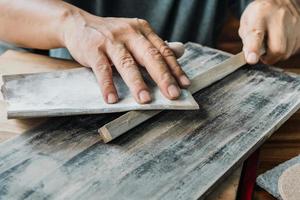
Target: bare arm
{"points": [[96, 42], [34, 23]]}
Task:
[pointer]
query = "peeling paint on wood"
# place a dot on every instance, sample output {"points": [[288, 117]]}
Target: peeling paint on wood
{"points": [[174, 155]]}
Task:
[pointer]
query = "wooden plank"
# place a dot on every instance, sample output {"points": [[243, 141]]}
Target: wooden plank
{"points": [[175, 155], [77, 92]]}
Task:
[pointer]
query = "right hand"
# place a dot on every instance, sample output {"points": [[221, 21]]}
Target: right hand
{"points": [[99, 42]]}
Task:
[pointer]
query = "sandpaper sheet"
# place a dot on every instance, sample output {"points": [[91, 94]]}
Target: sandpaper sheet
{"points": [[76, 91]]}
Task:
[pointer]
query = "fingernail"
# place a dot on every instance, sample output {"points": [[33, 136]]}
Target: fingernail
{"points": [[173, 91], [184, 80], [252, 58], [144, 96], [112, 98]]}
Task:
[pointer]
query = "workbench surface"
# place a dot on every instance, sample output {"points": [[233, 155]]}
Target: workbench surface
{"points": [[14, 62], [159, 159]]}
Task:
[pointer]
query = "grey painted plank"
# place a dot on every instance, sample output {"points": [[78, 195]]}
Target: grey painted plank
{"points": [[76, 92], [175, 155], [269, 179]]}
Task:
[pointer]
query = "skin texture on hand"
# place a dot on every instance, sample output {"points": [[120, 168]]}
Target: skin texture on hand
{"points": [[97, 42], [273, 24], [127, 44]]}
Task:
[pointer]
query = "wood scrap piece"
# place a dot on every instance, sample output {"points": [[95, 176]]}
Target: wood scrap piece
{"points": [[289, 183], [269, 180], [76, 91], [203, 70], [175, 155]]}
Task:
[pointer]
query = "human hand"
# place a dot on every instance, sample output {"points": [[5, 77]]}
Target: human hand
{"points": [[126, 43], [275, 23]]}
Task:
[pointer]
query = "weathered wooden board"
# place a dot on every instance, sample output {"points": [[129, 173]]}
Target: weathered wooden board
{"points": [[175, 155], [269, 179], [13, 62], [76, 92]]}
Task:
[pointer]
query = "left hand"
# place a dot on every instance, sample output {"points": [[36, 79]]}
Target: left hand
{"points": [[274, 23]]}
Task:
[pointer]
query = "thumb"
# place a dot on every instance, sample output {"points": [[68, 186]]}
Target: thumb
{"points": [[253, 45]]}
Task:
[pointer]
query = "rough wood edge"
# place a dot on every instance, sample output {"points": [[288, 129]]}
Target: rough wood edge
{"points": [[104, 134]]}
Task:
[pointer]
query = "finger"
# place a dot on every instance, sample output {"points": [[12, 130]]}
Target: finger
{"points": [[276, 43], [252, 31], [129, 71], [103, 72], [147, 55], [169, 57], [177, 48]]}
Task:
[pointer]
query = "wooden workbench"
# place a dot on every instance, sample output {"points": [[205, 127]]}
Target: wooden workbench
{"points": [[13, 62]]}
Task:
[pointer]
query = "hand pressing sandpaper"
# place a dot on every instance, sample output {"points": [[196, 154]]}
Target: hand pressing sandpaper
{"points": [[74, 92]]}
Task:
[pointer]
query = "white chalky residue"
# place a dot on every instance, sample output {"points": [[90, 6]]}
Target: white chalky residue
{"points": [[77, 91]]}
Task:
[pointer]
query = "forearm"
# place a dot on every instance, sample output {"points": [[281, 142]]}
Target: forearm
{"points": [[34, 23]]}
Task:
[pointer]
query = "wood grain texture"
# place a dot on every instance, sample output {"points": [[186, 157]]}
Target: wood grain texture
{"points": [[77, 92], [284, 143], [13, 62], [175, 155]]}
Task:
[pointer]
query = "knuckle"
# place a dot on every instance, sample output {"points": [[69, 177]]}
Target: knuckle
{"points": [[166, 51], [126, 28], [123, 29], [106, 84], [102, 68], [177, 70], [110, 35], [143, 23], [126, 62], [153, 52]]}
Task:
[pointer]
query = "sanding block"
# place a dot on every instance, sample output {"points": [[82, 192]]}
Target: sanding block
{"points": [[76, 92]]}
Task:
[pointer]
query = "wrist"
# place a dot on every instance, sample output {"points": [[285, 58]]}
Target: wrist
{"points": [[69, 18]]}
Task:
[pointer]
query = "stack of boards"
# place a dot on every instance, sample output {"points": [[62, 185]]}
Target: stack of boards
{"points": [[174, 155]]}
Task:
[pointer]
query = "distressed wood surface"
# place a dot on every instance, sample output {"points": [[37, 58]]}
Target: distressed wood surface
{"points": [[175, 155], [77, 92], [13, 62]]}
